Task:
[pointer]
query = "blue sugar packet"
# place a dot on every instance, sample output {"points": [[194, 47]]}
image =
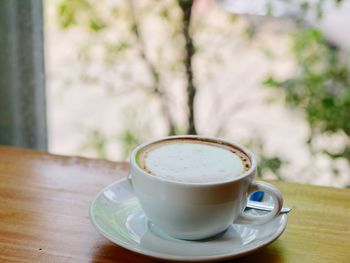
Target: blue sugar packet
{"points": [[257, 196]]}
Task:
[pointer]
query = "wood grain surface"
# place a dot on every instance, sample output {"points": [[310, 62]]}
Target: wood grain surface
{"points": [[44, 214]]}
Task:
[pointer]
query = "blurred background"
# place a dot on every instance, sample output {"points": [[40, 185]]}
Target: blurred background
{"points": [[273, 75]]}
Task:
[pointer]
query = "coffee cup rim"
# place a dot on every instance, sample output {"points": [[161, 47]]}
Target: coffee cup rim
{"points": [[252, 168]]}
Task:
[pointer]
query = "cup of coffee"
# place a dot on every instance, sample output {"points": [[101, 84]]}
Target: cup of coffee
{"points": [[193, 187]]}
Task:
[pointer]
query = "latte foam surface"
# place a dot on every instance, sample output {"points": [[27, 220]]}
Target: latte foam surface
{"points": [[191, 162]]}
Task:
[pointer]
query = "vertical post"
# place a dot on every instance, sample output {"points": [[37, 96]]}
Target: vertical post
{"points": [[22, 74]]}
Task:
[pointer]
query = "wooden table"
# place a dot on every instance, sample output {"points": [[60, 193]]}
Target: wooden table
{"points": [[44, 204]]}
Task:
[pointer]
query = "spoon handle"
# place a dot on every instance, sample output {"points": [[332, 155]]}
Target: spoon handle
{"points": [[265, 206]]}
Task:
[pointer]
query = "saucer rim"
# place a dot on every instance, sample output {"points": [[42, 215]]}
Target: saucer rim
{"points": [[164, 256]]}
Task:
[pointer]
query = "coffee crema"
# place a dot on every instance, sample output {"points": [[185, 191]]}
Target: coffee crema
{"points": [[193, 160]]}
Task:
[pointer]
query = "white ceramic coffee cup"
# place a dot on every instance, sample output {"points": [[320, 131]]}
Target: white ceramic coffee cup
{"points": [[196, 211]]}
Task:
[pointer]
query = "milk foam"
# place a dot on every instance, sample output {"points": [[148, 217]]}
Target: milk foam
{"points": [[193, 162]]}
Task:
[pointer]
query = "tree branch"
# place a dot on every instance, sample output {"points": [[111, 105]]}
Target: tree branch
{"points": [[157, 89], [186, 8]]}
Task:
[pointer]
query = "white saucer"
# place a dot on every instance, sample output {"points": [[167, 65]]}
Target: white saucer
{"points": [[117, 215]]}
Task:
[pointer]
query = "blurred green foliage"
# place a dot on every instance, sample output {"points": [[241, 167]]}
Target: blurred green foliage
{"points": [[129, 141], [96, 141], [73, 12], [320, 88]]}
